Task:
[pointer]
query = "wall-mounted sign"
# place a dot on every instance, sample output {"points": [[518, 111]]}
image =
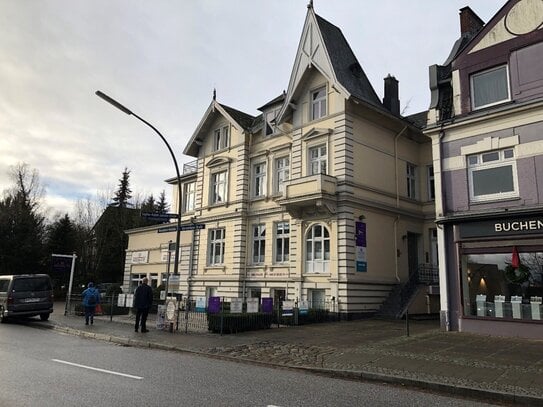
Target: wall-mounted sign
{"points": [[528, 225], [252, 305], [236, 305], [140, 257], [360, 246]]}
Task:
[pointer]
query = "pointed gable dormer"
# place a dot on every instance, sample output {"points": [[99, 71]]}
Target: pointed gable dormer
{"points": [[240, 121], [323, 47]]}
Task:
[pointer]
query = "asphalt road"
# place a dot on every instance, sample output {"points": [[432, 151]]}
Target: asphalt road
{"points": [[45, 368]]}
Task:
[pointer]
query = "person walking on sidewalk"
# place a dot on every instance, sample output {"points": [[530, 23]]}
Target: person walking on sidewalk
{"points": [[91, 298], [143, 299]]}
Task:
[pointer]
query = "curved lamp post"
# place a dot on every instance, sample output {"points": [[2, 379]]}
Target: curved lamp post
{"points": [[131, 113]]}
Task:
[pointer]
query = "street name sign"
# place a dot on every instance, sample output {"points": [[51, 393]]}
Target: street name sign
{"points": [[173, 228]]}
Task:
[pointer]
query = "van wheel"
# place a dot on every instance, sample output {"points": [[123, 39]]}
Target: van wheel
{"points": [[44, 317], [2, 317]]}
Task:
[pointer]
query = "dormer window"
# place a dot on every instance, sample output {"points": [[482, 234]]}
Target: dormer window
{"points": [[220, 138], [318, 103], [490, 87], [269, 118]]}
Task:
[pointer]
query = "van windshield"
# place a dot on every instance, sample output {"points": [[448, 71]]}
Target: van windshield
{"points": [[32, 284]]}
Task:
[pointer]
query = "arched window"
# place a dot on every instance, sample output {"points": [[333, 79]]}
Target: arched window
{"points": [[317, 246]]}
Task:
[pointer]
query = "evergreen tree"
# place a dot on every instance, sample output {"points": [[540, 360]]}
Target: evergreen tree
{"points": [[149, 205], [62, 238], [123, 193], [161, 205], [21, 224]]}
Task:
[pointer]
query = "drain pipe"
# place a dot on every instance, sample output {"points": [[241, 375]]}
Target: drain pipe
{"points": [[442, 255], [397, 220]]}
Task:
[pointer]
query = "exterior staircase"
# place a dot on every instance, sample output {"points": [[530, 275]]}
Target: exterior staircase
{"points": [[402, 295]]}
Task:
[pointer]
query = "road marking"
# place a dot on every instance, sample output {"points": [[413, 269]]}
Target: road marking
{"points": [[97, 369]]}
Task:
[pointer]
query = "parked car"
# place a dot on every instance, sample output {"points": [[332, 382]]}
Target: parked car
{"points": [[26, 295]]}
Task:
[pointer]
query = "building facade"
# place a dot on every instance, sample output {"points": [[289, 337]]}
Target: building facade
{"points": [[325, 196], [486, 125]]}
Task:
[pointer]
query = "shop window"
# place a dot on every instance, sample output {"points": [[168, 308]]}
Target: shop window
{"points": [[490, 87], [492, 175], [492, 287]]}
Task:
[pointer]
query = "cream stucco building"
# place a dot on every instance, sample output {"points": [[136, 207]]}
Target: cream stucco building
{"points": [[327, 195]]}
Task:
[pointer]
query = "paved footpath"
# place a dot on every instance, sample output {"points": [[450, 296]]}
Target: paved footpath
{"points": [[504, 370]]}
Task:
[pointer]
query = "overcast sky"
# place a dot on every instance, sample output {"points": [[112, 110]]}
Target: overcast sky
{"points": [[162, 59]]}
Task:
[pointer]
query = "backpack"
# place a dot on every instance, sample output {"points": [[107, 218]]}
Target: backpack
{"points": [[92, 300]]}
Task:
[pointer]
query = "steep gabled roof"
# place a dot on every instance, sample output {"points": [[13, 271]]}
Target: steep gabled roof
{"points": [[418, 119], [243, 122], [323, 47], [346, 67]]}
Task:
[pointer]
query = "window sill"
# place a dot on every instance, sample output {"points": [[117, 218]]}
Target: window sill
{"points": [[212, 267], [494, 200], [328, 274]]}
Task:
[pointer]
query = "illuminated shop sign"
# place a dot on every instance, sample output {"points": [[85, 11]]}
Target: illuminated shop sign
{"points": [[502, 227]]}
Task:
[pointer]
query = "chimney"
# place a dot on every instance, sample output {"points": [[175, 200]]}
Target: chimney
{"points": [[391, 101], [470, 23]]}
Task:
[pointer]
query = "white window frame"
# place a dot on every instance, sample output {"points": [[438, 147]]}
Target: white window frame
{"points": [[481, 73], [411, 178], [216, 246], [317, 246], [219, 187], [282, 173], [282, 242], [220, 138], [431, 183], [316, 163], [259, 243], [259, 179], [189, 196], [477, 162], [318, 103]]}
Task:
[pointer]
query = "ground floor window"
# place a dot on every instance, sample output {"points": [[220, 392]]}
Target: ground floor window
{"points": [[504, 282], [135, 280]]}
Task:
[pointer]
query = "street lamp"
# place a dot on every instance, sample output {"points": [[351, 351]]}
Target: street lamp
{"points": [[131, 113]]}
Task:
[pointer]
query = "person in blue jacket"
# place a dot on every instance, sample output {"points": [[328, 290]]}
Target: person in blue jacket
{"points": [[143, 299], [91, 298]]}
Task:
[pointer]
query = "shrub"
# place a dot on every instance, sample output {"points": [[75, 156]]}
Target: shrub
{"points": [[234, 323]]}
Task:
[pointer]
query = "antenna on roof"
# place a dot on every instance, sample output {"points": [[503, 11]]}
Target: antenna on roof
{"points": [[310, 5]]}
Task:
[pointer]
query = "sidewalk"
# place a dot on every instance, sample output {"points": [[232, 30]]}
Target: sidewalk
{"points": [[496, 369]]}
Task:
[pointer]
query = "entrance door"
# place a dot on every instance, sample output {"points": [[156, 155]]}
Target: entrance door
{"points": [[412, 252], [278, 296]]}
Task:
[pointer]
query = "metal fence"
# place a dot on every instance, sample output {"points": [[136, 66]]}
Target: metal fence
{"points": [[187, 316]]}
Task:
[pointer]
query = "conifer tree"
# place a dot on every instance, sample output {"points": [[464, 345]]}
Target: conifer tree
{"points": [[123, 193]]}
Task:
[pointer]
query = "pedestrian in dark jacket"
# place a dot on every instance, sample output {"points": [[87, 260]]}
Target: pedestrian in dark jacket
{"points": [[91, 298], [143, 299]]}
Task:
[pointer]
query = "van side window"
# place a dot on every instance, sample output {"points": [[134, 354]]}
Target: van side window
{"points": [[4, 284]]}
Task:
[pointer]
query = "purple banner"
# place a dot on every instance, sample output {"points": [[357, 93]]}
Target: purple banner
{"points": [[214, 305], [360, 234], [267, 305]]}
